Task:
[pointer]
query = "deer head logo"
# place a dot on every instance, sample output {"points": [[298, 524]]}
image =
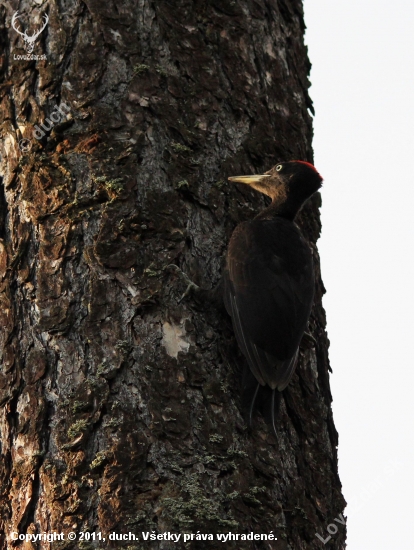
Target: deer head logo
{"points": [[29, 40]]}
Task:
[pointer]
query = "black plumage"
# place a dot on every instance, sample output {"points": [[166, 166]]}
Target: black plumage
{"points": [[269, 282]]}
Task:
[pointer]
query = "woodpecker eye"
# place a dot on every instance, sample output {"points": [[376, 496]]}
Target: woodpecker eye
{"points": [[279, 168]]}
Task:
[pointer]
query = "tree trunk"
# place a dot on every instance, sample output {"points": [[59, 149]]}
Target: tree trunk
{"points": [[120, 405]]}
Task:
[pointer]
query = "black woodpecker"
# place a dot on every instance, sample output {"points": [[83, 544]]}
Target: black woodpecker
{"points": [[269, 283]]}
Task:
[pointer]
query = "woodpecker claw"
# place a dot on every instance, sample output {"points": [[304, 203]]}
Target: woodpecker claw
{"points": [[308, 341], [310, 337], [191, 286]]}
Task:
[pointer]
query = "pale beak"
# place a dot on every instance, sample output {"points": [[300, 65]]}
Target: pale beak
{"points": [[250, 180]]}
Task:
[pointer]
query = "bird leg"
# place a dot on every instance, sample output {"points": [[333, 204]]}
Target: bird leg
{"points": [[210, 296], [191, 286], [308, 341]]}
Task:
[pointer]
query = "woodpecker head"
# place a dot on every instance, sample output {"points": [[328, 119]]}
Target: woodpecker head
{"points": [[288, 183]]}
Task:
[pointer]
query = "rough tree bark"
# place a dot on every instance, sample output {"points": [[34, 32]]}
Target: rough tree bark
{"points": [[120, 406]]}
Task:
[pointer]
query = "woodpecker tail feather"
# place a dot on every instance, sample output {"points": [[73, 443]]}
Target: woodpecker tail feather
{"points": [[272, 408], [253, 401], [269, 406], [262, 398]]}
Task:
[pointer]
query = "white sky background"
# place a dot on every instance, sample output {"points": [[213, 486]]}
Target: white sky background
{"points": [[362, 76]]}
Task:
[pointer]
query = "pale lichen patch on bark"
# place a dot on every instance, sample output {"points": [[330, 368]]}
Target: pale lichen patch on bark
{"points": [[173, 339]]}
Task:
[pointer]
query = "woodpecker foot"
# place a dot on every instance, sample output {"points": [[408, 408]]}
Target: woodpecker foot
{"points": [[308, 341], [191, 286]]}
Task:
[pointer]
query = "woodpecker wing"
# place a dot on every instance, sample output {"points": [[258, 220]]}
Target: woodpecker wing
{"points": [[269, 289]]}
